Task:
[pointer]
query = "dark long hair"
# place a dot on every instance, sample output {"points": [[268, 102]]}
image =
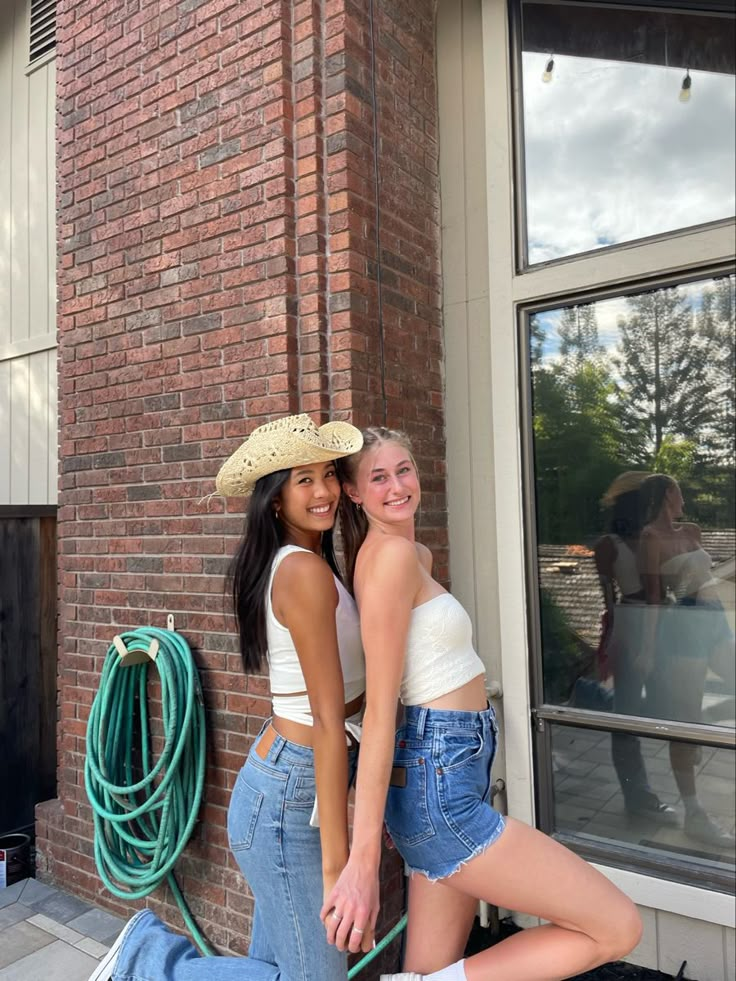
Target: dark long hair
{"points": [[353, 522], [250, 570]]}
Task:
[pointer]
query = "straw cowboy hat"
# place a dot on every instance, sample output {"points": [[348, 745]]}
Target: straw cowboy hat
{"points": [[289, 442]]}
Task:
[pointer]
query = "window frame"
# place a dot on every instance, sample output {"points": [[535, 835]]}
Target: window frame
{"points": [[521, 239], [685, 255]]}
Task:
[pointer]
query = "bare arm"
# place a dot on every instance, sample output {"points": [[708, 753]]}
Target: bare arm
{"points": [[310, 599], [649, 568], [387, 582]]}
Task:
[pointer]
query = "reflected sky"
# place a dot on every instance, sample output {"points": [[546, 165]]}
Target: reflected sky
{"points": [[608, 315], [612, 155]]}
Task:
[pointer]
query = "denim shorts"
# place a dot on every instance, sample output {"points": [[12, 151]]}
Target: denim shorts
{"points": [[438, 810]]}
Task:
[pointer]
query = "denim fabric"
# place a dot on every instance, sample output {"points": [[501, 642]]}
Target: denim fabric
{"points": [[280, 856], [441, 816]]}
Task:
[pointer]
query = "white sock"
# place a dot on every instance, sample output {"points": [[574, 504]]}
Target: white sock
{"points": [[692, 804], [455, 972]]}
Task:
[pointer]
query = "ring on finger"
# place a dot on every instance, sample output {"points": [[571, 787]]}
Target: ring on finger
{"points": [[358, 930], [336, 915]]}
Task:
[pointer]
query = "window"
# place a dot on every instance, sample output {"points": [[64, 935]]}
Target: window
{"points": [[624, 135], [633, 429], [627, 127], [43, 28]]}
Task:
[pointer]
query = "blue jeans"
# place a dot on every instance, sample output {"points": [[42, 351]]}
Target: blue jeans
{"points": [[438, 810], [280, 856]]}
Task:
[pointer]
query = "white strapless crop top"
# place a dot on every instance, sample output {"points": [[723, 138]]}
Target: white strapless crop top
{"points": [[440, 656], [687, 572], [285, 672]]}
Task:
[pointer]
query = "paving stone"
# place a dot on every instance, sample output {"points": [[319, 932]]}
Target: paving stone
{"points": [[11, 894], [33, 891], [13, 914], [59, 906], [55, 962], [57, 930], [98, 924], [21, 939], [92, 947]]}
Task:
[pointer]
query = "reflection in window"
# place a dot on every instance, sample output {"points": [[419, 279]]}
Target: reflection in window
{"points": [[593, 773], [633, 436], [612, 152]]}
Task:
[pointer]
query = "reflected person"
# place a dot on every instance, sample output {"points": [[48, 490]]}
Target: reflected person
{"points": [[617, 562], [685, 629]]}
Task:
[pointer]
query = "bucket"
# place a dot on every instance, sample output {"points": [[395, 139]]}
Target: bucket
{"points": [[15, 853]]}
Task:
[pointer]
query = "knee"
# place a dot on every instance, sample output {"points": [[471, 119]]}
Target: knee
{"points": [[626, 930]]}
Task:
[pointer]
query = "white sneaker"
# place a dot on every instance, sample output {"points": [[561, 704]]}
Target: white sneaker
{"points": [[103, 971]]}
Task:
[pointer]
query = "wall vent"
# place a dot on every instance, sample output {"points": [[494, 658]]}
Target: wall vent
{"points": [[43, 28]]}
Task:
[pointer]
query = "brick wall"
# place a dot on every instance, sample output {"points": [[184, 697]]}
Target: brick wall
{"points": [[221, 241]]}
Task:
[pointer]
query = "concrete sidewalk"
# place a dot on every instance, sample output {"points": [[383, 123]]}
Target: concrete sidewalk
{"points": [[48, 935]]}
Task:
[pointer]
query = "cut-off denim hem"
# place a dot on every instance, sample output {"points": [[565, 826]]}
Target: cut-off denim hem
{"points": [[438, 809]]}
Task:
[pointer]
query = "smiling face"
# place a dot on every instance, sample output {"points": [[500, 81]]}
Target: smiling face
{"points": [[307, 504], [387, 485]]}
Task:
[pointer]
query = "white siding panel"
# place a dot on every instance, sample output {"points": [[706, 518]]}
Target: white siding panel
{"points": [[52, 429], [28, 385], [38, 429], [38, 194], [7, 12], [19, 430], [19, 212], [4, 431], [698, 943]]}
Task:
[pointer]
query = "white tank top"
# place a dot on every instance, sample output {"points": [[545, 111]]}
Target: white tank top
{"points": [[285, 671], [625, 568], [440, 656]]}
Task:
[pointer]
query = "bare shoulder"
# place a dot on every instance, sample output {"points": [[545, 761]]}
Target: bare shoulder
{"points": [[304, 573], [387, 559], [690, 529], [425, 556]]}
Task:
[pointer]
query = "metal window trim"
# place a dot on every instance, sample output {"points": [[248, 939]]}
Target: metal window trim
{"points": [[666, 729], [629, 857]]}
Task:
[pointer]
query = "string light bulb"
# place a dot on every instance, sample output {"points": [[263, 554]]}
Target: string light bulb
{"points": [[548, 69], [686, 86]]}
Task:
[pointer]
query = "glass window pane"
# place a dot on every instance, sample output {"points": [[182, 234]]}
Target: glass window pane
{"points": [[633, 448], [611, 151], [621, 790]]}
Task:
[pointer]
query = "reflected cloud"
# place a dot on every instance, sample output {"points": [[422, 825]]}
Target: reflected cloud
{"points": [[612, 155]]}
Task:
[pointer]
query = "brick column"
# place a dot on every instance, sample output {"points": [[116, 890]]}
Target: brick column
{"points": [[221, 238]]}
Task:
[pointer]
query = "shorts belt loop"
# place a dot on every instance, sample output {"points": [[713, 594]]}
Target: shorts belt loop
{"points": [[421, 722]]}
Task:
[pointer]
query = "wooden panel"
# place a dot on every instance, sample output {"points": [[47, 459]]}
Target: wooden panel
{"points": [[27, 666]]}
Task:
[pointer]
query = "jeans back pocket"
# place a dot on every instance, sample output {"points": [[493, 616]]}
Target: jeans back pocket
{"points": [[407, 806], [242, 814]]}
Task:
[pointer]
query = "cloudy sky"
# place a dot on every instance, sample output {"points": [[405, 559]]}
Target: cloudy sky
{"points": [[613, 155]]}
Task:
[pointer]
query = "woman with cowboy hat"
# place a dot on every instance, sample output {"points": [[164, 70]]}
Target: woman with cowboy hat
{"points": [[434, 774], [295, 616]]}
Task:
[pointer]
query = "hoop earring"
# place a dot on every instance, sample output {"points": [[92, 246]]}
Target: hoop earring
{"points": [[358, 506]]}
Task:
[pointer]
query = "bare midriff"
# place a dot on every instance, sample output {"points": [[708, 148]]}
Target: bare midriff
{"points": [[295, 732], [470, 697]]}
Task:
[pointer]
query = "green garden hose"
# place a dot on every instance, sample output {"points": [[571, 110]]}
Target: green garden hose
{"points": [[381, 945], [143, 813], [144, 810]]}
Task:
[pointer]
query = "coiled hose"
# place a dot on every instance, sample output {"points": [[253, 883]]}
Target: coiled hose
{"points": [[143, 825], [144, 810]]}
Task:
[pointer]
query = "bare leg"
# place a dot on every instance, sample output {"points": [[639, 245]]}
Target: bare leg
{"points": [[451, 916], [590, 921]]}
